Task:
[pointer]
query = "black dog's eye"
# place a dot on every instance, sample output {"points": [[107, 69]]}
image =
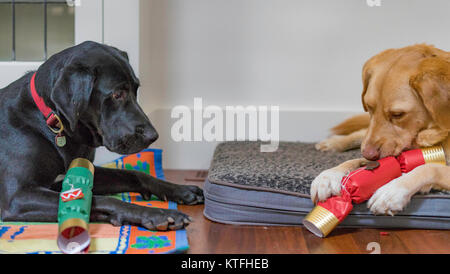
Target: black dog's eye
{"points": [[120, 94]]}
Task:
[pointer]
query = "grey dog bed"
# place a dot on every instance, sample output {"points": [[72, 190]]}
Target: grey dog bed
{"points": [[246, 186]]}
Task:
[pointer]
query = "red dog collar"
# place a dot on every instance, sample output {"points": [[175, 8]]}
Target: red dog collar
{"points": [[53, 121]]}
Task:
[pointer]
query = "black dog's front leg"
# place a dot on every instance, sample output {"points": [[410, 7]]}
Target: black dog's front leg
{"points": [[36, 204], [116, 212], [41, 205], [111, 181]]}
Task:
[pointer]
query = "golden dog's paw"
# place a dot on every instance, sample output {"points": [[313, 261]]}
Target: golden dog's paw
{"points": [[389, 199], [326, 184], [335, 143], [430, 137]]}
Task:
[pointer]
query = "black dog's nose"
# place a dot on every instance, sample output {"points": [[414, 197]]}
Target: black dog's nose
{"points": [[149, 133], [153, 136]]}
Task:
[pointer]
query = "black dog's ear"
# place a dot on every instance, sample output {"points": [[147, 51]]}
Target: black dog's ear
{"points": [[124, 54], [71, 93]]}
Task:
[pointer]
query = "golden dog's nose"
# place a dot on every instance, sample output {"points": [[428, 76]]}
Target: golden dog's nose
{"points": [[371, 153]]}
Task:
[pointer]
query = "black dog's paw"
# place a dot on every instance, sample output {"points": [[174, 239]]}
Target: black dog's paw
{"points": [[181, 194], [166, 220], [188, 195], [156, 219]]}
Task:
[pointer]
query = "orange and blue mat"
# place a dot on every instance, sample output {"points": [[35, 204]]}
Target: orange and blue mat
{"points": [[41, 237]]}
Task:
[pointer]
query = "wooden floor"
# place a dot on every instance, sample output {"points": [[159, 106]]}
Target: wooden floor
{"points": [[206, 236]]}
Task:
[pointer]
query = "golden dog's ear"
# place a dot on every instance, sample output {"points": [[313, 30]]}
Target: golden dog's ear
{"points": [[432, 83], [369, 67], [365, 80]]}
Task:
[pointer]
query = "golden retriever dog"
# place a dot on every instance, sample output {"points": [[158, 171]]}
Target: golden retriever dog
{"points": [[406, 94]]}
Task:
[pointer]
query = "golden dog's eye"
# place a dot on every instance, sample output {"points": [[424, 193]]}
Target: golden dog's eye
{"points": [[397, 115]]}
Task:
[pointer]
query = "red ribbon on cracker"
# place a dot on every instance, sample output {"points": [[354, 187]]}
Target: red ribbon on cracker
{"points": [[73, 194]]}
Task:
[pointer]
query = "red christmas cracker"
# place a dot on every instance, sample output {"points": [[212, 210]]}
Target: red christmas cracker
{"points": [[361, 184]]}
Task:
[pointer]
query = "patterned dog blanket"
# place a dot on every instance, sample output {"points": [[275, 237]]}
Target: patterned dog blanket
{"points": [[105, 238]]}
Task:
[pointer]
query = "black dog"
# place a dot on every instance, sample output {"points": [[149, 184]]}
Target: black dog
{"points": [[92, 90]]}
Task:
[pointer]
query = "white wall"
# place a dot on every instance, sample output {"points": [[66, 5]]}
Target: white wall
{"points": [[305, 56], [302, 55]]}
